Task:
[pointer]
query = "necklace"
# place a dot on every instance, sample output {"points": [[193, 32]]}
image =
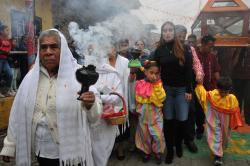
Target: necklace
{"points": [[170, 51]]}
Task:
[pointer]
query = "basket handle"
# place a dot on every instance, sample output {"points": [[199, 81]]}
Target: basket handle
{"points": [[123, 101]]}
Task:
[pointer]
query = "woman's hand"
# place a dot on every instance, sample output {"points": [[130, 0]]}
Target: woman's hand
{"points": [[6, 159], [188, 96], [88, 99]]}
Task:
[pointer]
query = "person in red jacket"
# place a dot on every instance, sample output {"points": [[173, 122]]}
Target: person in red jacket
{"points": [[5, 47]]}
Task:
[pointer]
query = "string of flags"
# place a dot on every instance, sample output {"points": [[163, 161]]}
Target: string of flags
{"points": [[185, 19]]}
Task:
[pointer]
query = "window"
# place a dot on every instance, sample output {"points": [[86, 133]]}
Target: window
{"points": [[226, 26], [197, 29], [18, 24], [225, 4], [236, 28]]}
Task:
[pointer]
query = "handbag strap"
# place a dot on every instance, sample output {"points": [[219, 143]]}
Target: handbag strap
{"points": [[123, 101]]}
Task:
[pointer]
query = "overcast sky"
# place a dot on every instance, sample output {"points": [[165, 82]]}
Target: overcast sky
{"points": [[180, 12]]}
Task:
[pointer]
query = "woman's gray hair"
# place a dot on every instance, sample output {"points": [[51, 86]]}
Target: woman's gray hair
{"points": [[50, 33]]}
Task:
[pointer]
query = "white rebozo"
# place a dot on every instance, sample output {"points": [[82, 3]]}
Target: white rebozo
{"points": [[73, 126]]}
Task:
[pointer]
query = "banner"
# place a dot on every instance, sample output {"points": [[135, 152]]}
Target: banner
{"points": [[30, 31]]}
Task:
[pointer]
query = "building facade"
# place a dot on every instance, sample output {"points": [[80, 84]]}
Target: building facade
{"points": [[13, 14]]}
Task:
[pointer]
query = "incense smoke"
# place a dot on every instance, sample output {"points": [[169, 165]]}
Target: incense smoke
{"points": [[103, 35]]}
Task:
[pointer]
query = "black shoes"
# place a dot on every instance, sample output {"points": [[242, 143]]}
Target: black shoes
{"points": [[218, 161], [191, 146], [120, 155], [158, 159], [170, 156], [199, 136], [145, 158], [179, 151]]}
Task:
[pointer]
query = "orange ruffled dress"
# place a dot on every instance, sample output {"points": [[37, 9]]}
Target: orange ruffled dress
{"points": [[149, 134]]}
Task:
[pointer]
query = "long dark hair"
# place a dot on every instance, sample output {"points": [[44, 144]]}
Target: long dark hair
{"points": [[178, 47]]}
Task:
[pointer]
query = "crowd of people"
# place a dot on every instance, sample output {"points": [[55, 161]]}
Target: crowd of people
{"points": [[169, 99], [13, 66]]}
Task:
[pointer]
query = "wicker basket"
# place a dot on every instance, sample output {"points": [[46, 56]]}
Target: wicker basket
{"points": [[117, 118]]}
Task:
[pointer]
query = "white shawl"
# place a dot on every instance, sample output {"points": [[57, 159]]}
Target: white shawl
{"points": [[73, 127], [121, 66]]}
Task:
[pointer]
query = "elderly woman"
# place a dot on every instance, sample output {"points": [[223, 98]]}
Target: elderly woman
{"points": [[46, 118]]}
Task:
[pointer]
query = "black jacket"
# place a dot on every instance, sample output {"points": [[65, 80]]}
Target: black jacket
{"points": [[172, 73]]}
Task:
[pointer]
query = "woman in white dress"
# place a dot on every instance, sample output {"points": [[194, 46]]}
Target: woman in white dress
{"points": [[104, 134], [121, 65]]}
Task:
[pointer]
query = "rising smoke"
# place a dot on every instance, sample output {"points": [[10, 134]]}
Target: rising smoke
{"points": [[102, 35], [89, 12]]}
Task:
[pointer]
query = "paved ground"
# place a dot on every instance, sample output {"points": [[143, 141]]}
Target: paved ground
{"points": [[134, 159]]}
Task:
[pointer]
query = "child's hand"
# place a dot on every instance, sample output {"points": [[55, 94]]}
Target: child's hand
{"points": [[188, 96], [132, 77], [199, 79]]}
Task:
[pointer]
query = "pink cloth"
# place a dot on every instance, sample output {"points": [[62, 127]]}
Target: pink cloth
{"points": [[143, 88], [197, 64]]}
